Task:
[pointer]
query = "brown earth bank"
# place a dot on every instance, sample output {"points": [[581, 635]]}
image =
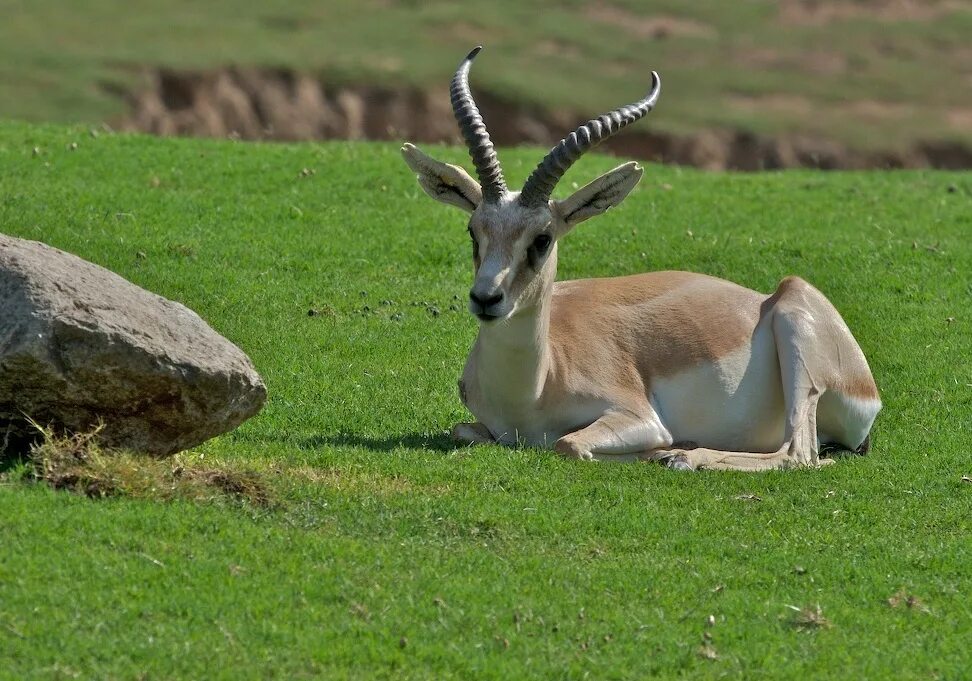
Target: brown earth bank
{"points": [[279, 104]]}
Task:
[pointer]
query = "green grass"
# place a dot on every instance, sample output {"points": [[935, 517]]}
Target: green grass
{"points": [[388, 552], [737, 64]]}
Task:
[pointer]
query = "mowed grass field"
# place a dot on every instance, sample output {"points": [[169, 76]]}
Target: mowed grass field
{"points": [[389, 552], [875, 75]]}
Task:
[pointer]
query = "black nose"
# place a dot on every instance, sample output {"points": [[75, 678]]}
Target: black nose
{"points": [[485, 301]]}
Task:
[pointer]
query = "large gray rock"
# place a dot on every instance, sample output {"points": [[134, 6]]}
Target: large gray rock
{"points": [[79, 345]]}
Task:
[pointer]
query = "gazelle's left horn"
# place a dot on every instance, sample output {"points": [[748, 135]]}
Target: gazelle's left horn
{"points": [[474, 131]]}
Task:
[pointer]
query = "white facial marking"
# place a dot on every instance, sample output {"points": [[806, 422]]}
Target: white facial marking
{"points": [[493, 271], [504, 232]]}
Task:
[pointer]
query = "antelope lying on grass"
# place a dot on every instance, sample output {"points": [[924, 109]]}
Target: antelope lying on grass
{"points": [[625, 368]]}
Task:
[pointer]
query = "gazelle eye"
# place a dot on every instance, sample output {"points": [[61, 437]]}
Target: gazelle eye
{"points": [[541, 243]]}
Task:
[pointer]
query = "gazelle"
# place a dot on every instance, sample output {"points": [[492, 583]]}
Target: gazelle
{"points": [[635, 367]]}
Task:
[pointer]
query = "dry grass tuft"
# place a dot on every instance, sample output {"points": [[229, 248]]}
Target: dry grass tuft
{"points": [[246, 485], [809, 618], [910, 601], [78, 463]]}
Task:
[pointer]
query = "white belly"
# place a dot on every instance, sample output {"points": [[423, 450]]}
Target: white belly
{"points": [[732, 404]]}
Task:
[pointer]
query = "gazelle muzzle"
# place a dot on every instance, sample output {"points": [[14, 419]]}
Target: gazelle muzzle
{"points": [[484, 303]]}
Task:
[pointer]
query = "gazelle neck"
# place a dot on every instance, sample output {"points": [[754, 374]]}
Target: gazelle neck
{"points": [[514, 355]]}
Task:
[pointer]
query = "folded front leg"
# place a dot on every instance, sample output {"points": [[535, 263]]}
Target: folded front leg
{"points": [[619, 435]]}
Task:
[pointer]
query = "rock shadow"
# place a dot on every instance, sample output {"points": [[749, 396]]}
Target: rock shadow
{"points": [[15, 447]]}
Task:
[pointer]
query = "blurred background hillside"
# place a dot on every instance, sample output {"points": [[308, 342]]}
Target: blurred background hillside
{"points": [[747, 83]]}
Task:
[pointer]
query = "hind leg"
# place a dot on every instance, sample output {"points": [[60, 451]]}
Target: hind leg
{"points": [[799, 446], [812, 350]]}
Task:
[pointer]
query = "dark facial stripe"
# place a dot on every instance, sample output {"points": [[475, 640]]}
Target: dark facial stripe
{"points": [[536, 256], [475, 247]]}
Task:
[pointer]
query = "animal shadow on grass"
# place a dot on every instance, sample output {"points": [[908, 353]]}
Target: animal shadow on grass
{"points": [[440, 442]]}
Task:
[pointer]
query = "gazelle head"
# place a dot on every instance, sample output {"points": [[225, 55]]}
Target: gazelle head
{"points": [[514, 234]]}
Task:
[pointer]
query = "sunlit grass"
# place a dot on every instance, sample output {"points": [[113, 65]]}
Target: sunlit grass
{"points": [[388, 551]]}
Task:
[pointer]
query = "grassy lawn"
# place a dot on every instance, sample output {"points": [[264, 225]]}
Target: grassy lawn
{"points": [[871, 75], [391, 553]]}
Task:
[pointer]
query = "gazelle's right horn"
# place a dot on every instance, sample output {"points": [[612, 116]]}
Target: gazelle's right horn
{"points": [[540, 185]]}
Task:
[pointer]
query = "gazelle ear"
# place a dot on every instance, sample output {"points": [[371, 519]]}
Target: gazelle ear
{"points": [[605, 192], [443, 181]]}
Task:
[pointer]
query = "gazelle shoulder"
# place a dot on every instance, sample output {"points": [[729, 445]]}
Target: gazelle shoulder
{"points": [[664, 287]]}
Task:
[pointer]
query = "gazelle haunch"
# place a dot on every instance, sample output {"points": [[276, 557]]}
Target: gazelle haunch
{"points": [[635, 367]]}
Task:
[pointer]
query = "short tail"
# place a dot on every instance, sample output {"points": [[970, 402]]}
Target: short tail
{"points": [[828, 449]]}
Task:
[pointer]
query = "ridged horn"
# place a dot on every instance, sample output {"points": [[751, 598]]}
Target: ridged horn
{"points": [[540, 185], [474, 132]]}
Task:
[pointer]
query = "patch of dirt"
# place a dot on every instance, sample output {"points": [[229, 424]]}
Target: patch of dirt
{"points": [[279, 104], [658, 27], [247, 485], [466, 32], [814, 62], [796, 105], [824, 63], [874, 110], [283, 105], [823, 12], [961, 56], [959, 119], [785, 104], [556, 48], [758, 57]]}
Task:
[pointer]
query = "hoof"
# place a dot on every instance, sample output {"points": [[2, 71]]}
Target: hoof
{"points": [[677, 462], [680, 465], [468, 433]]}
